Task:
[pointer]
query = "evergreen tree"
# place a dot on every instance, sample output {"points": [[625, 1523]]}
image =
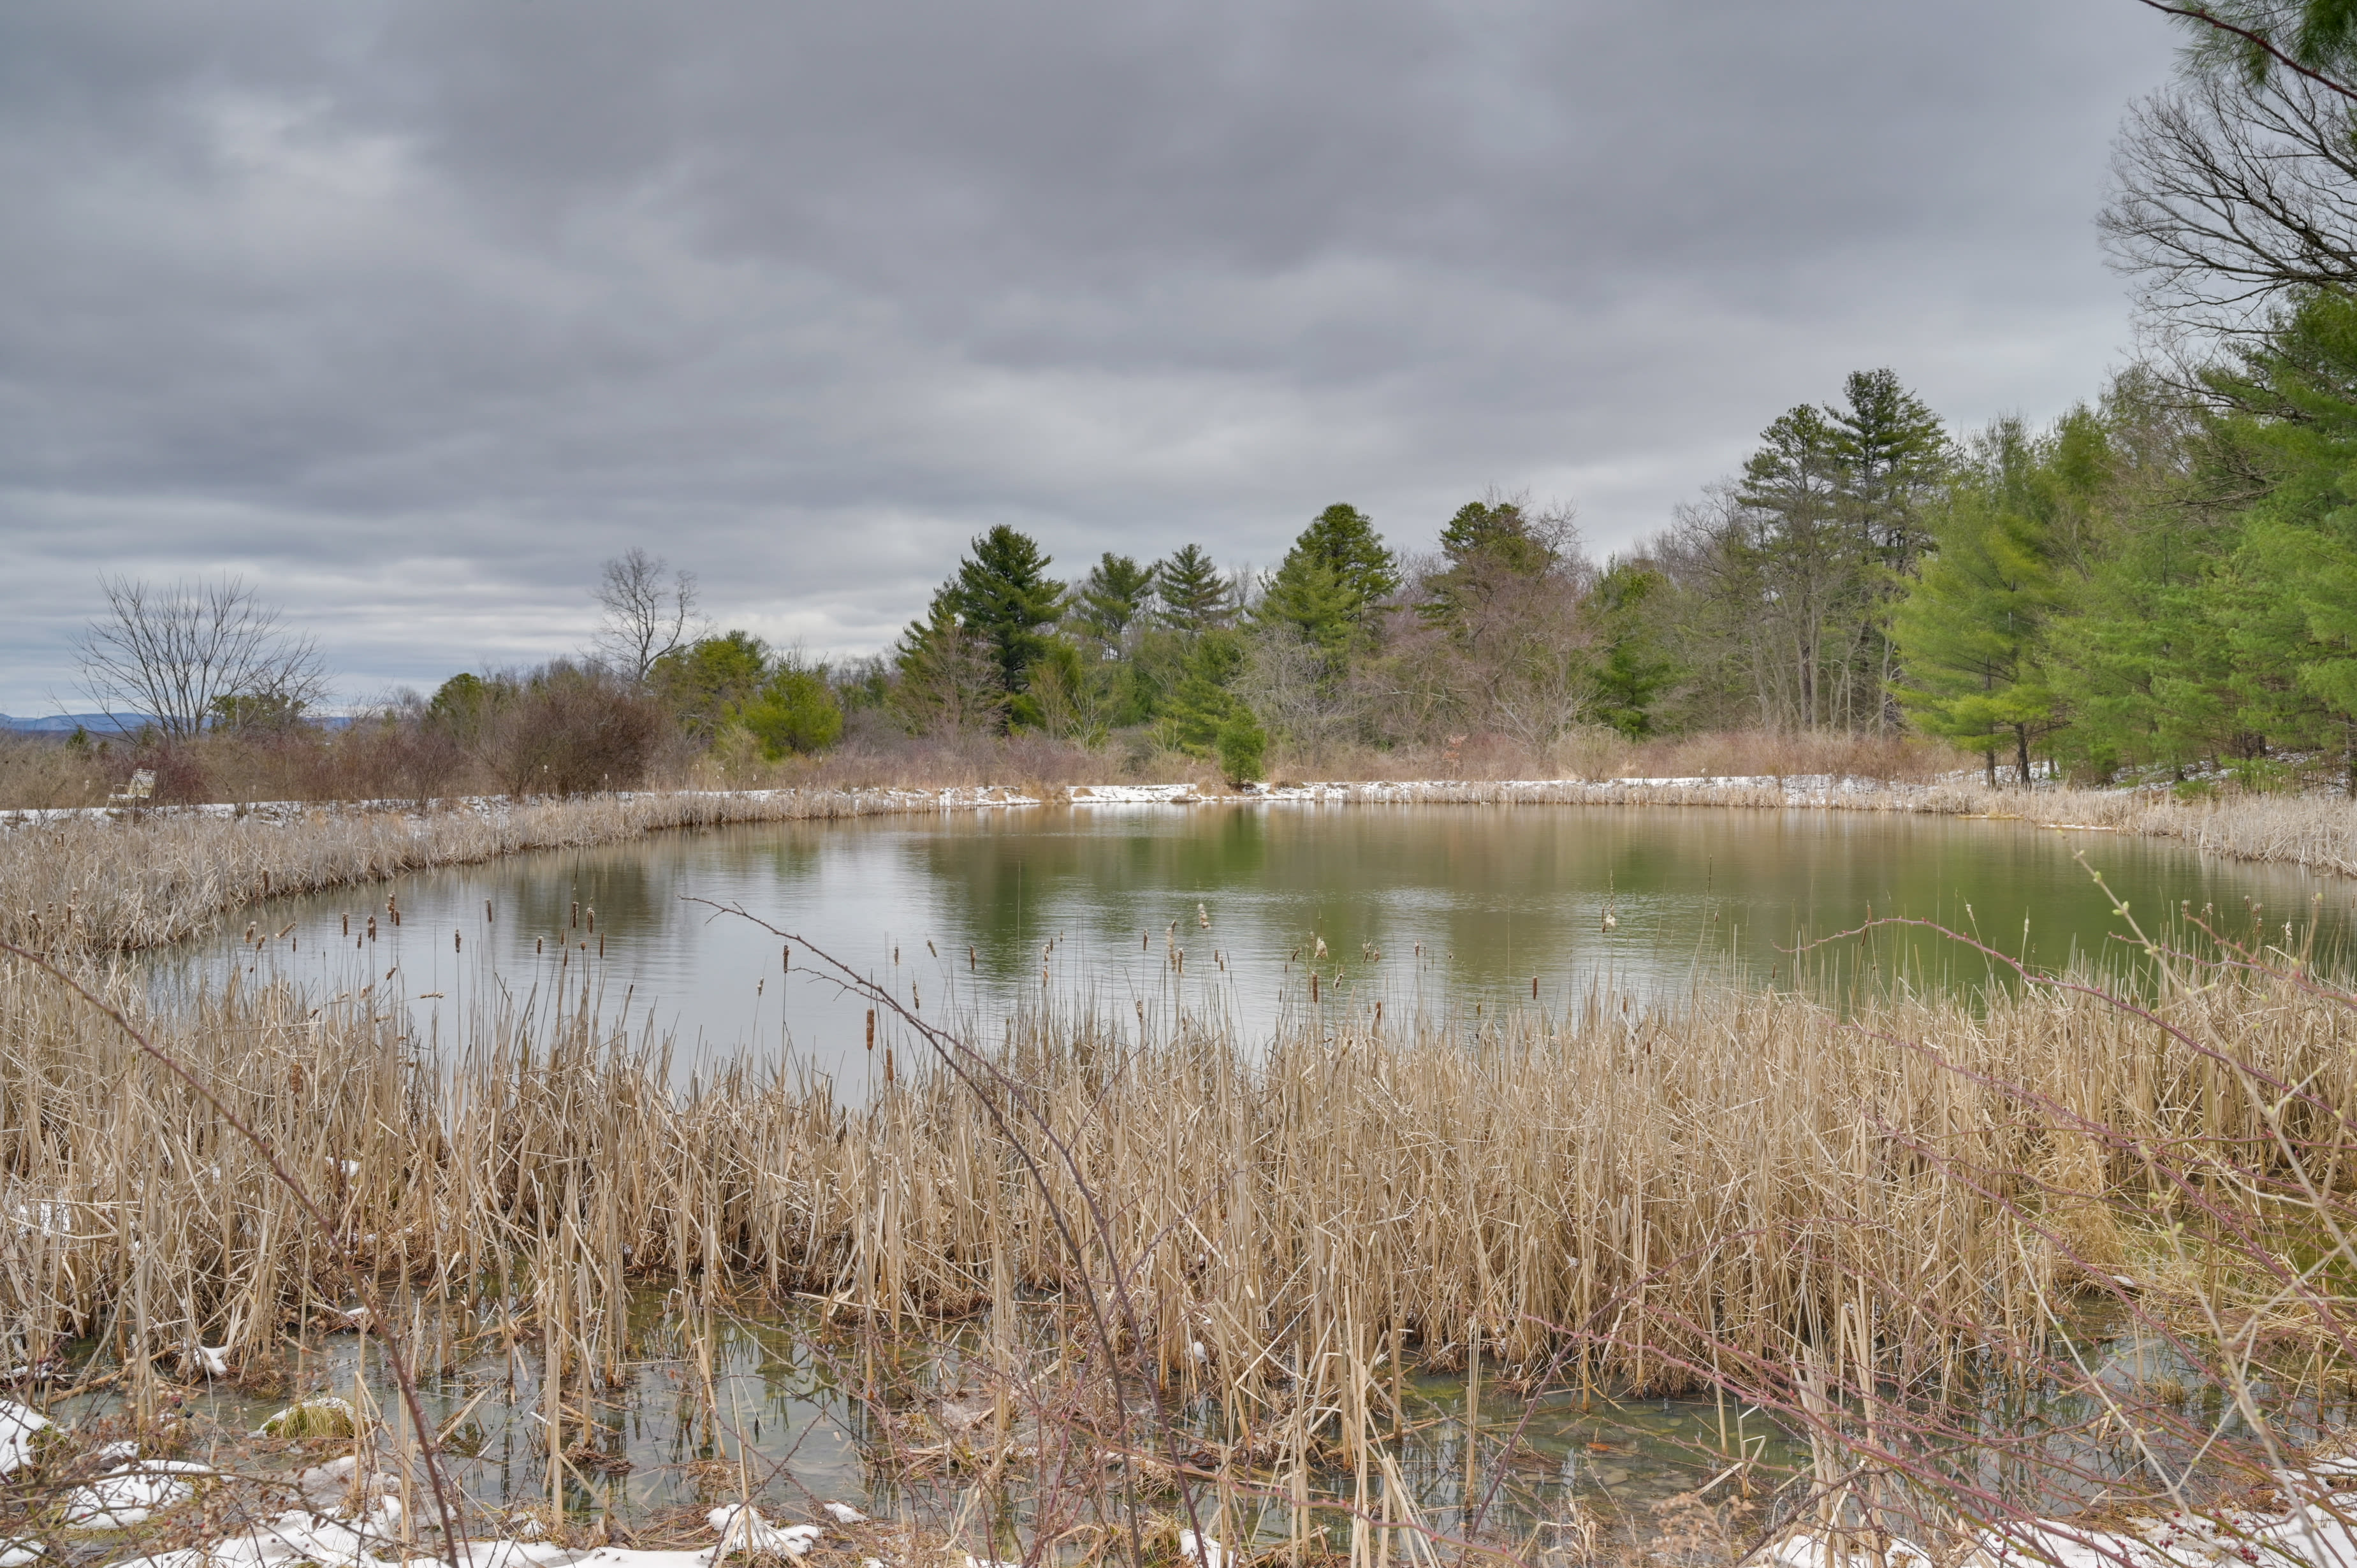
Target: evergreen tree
{"points": [[1002, 593], [1634, 668], [1110, 605], [461, 703], [946, 678], [1204, 700], [2288, 599], [2294, 621], [2142, 651], [1241, 745], [1971, 635], [1494, 553], [706, 681], [1308, 595], [1495, 530], [1781, 583], [1813, 573], [794, 709], [1195, 597], [1893, 451], [1330, 582], [1344, 538]]}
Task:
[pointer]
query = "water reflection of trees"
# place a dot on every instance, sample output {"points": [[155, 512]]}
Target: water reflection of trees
{"points": [[1005, 889]]}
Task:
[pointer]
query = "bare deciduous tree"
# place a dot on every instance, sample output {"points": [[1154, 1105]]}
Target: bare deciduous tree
{"points": [[648, 612], [181, 655], [2228, 191], [1295, 688], [1496, 639]]}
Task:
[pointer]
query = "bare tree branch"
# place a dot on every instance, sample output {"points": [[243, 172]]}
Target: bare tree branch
{"points": [[2227, 194]]}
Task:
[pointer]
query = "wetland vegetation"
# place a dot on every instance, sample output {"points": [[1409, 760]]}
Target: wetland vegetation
{"points": [[1702, 1264], [1865, 1260]]}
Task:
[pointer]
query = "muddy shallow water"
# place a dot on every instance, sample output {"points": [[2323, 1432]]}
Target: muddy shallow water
{"points": [[803, 1412]]}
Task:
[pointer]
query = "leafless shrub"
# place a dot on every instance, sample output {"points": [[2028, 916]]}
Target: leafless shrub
{"points": [[569, 729]]}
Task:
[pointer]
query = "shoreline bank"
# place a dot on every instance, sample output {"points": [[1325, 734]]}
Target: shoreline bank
{"points": [[98, 880]]}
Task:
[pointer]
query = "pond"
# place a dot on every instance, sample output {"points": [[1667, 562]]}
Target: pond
{"points": [[1431, 909], [1441, 911]]}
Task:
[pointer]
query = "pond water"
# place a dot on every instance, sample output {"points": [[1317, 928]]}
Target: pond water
{"points": [[1436, 909]]}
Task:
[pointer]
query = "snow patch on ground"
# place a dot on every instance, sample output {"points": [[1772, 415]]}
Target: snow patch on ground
{"points": [[371, 1541]]}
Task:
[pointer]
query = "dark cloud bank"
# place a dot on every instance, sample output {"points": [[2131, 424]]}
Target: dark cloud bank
{"points": [[414, 312]]}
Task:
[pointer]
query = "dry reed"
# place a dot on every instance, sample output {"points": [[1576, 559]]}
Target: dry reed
{"points": [[1745, 1159]]}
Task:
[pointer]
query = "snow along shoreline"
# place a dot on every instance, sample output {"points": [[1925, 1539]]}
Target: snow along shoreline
{"points": [[1799, 789]]}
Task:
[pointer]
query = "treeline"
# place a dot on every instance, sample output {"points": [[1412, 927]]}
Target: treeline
{"points": [[1506, 629], [2163, 582], [2161, 585]]}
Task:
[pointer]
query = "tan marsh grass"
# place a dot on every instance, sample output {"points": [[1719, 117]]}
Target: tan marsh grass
{"points": [[1537, 1185]]}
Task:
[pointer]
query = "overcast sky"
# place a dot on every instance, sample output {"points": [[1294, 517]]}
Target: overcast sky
{"points": [[413, 313]]}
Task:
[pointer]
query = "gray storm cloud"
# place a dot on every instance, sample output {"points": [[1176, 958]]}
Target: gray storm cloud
{"points": [[414, 312]]}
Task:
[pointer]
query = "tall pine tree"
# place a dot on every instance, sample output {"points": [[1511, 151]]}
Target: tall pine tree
{"points": [[1110, 603], [1330, 582], [1971, 634], [1195, 594], [1003, 595], [2288, 600]]}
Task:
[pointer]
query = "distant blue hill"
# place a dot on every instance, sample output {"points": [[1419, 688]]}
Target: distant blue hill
{"points": [[116, 723], [66, 724]]}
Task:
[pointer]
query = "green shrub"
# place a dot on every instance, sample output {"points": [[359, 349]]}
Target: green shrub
{"points": [[795, 710], [2261, 776], [1241, 744]]}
